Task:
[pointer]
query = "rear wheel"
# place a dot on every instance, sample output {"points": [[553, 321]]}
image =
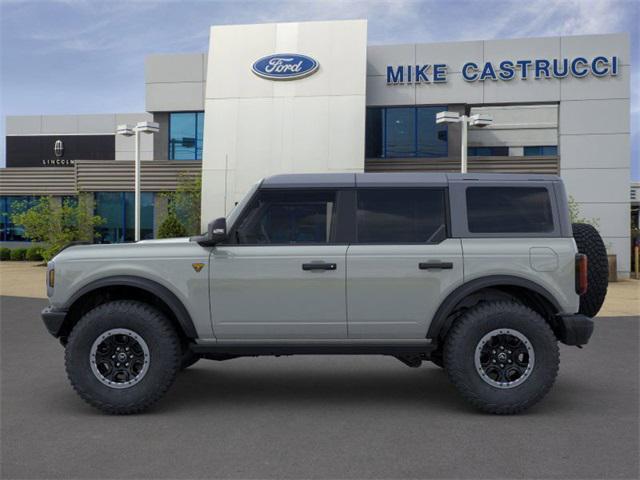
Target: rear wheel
{"points": [[122, 356], [590, 243], [502, 357]]}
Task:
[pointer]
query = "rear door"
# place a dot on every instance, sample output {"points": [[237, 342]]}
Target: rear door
{"points": [[283, 274], [402, 263]]}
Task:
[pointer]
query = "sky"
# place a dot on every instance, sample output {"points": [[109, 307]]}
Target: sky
{"points": [[87, 56]]}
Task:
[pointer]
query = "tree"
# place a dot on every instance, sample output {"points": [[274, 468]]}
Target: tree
{"points": [[184, 203], [171, 227], [57, 224]]}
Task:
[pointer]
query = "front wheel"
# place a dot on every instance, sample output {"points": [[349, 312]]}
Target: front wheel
{"points": [[502, 356], [122, 356]]}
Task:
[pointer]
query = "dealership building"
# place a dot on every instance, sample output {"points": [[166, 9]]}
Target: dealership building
{"points": [[314, 97]]}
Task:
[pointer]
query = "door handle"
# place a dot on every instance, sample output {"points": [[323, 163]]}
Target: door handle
{"points": [[435, 265], [319, 266]]}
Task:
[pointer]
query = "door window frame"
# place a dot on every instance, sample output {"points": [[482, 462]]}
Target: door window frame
{"points": [[339, 231]]}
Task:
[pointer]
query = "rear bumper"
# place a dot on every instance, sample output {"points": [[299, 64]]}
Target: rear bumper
{"points": [[53, 319], [574, 329]]}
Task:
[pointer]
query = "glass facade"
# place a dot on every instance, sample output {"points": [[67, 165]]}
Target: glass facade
{"points": [[401, 132], [185, 135], [488, 151], [9, 232], [541, 151], [117, 208]]}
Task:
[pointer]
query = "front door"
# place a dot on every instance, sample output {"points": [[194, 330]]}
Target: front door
{"points": [[402, 264], [282, 275]]}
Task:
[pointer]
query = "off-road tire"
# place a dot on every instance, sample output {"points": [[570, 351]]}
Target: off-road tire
{"points": [[459, 354], [589, 242], [164, 356], [188, 358]]}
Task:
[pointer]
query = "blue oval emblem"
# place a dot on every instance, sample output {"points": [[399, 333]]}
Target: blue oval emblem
{"points": [[284, 66]]}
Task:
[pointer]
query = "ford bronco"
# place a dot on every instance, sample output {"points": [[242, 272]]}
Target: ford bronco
{"points": [[481, 274]]}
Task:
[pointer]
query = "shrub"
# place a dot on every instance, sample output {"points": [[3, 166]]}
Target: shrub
{"points": [[171, 227], [33, 254], [18, 254], [56, 224], [184, 203], [5, 253]]}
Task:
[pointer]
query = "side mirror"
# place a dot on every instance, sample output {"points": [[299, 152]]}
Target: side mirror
{"points": [[216, 233], [217, 230]]}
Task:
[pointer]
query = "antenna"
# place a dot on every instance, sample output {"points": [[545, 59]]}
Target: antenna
{"points": [[226, 169]]}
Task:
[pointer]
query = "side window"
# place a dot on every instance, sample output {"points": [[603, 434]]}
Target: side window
{"points": [[401, 215], [288, 217], [509, 210]]}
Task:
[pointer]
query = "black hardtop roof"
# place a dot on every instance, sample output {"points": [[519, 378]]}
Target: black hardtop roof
{"points": [[391, 179]]}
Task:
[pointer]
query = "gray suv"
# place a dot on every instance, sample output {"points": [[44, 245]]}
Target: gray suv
{"points": [[480, 274]]}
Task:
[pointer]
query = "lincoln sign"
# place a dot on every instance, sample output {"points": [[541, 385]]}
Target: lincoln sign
{"points": [[506, 70]]}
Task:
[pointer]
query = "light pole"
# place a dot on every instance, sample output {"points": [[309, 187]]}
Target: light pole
{"points": [[128, 131], [477, 120]]}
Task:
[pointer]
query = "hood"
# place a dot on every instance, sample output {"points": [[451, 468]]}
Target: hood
{"points": [[145, 248]]}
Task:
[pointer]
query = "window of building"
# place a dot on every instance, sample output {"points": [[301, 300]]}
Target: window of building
{"points": [[9, 232], [509, 210], [541, 151], [185, 135], [400, 215], [488, 151], [117, 208], [291, 217], [400, 132]]}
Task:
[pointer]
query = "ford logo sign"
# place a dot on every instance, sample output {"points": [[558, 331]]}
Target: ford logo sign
{"points": [[285, 66]]}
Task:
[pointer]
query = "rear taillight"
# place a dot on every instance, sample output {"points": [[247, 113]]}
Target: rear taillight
{"points": [[582, 282]]}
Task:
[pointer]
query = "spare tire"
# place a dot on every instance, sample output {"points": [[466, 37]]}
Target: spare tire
{"points": [[589, 242]]}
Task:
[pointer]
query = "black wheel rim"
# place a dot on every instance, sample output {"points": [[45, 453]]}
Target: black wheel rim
{"points": [[119, 358], [504, 358]]}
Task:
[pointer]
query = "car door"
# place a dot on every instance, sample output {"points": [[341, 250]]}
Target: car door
{"points": [[402, 263], [282, 275]]}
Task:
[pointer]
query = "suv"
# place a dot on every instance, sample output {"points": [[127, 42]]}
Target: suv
{"points": [[480, 274]]}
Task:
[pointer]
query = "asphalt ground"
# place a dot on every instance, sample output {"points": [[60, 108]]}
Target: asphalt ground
{"points": [[318, 417]]}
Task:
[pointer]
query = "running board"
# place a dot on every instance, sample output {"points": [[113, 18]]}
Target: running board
{"points": [[314, 347]]}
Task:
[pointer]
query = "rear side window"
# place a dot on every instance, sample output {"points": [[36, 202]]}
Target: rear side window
{"points": [[509, 210], [401, 215]]}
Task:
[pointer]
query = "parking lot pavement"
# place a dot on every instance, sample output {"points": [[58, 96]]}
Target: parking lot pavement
{"points": [[318, 417]]}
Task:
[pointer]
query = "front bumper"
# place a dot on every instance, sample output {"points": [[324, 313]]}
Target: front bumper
{"points": [[574, 329], [54, 320]]}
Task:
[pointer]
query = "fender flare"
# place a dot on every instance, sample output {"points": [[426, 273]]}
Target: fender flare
{"points": [[163, 293], [440, 321]]}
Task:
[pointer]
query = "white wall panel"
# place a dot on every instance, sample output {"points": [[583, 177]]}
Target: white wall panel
{"points": [[521, 49], [59, 124], [594, 151], [520, 91], [594, 117], [175, 97], [23, 125], [597, 185]]}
